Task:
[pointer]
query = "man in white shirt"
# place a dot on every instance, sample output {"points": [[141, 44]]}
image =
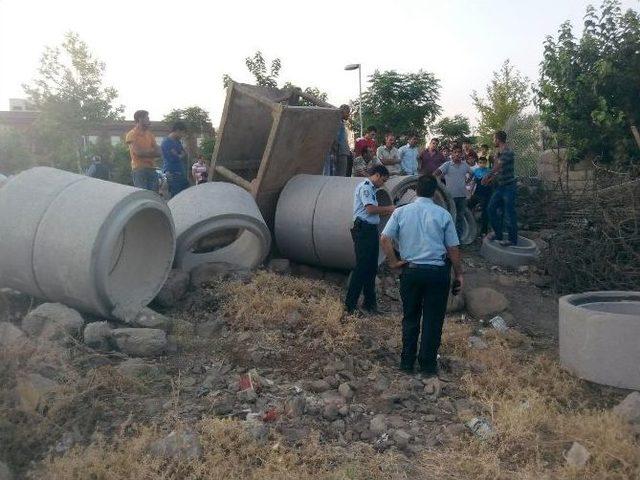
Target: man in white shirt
{"points": [[409, 156], [388, 155], [456, 172]]}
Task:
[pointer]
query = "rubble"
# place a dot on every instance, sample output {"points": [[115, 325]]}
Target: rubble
{"points": [[482, 302], [34, 392], [98, 335], [183, 444], [174, 289], [629, 408], [577, 456], [53, 321], [140, 342], [10, 335]]}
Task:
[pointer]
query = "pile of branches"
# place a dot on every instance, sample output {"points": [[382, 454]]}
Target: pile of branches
{"points": [[596, 243]]}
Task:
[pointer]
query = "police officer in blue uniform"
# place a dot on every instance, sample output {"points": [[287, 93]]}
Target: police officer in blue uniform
{"points": [[366, 217], [425, 235]]}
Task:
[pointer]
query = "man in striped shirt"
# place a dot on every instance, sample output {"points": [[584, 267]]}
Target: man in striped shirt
{"points": [[503, 200]]}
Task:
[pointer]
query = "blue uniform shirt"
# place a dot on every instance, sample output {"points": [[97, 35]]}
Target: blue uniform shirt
{"points": [[409, 159], [422, 231], [365, 194], [171, 162]]}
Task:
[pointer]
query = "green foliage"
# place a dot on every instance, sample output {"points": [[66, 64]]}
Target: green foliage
{"points": [[15, 154], [399, 102], [207, 146], [455, 129], [524, 133], [116, 156], [507, 96], [196, 119], [589, 89], [71, 97], [317, 93]]}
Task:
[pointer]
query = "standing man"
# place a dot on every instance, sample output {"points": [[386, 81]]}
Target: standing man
{"points": [[174, 158], [388, 155], [481, 194], [409, 156], [456, 172], [369, 140], [503, 200], [366, 217], [144, 151], [431, 158], [425, 235], [343, 152], [362, 163]]}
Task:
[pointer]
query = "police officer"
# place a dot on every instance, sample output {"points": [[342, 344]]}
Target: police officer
{"points": [[366, 217], [426, 237]]}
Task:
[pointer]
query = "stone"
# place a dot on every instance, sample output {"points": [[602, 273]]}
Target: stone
{"points": [[222, 404], [212, 272], [318, 386], [577, 456], [247, 396], [629, 408], [541, 281], [53, 321], [33, 392], [141, 342], [295, 406], [210, 328], [331, 411], [280, 265], [345, 390], [401, 438], [174, 289], [507, 281], [382, 384], [147, 318], [10, 335], [378, 424], [136, 367], [455, 303], [339, 426], [97, 335], [182, 445], [5, 472], [477, 343], [542, 244], [483, 302]]}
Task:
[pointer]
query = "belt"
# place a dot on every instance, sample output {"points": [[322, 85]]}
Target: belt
{"points": [[359, 222], [423, 266]]}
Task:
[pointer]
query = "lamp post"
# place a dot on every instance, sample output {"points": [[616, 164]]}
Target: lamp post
{"points": [[357, 66]]}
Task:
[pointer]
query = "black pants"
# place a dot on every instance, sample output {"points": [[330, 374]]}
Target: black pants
{"points": [[424, 294], [482, 198], [363, 277]]}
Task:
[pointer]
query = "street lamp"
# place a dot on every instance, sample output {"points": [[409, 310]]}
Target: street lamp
{"points": [[357, 66]]}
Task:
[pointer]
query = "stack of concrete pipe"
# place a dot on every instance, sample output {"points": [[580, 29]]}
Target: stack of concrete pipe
{"points": [[97, 246], [218, 222], [315, 213]]}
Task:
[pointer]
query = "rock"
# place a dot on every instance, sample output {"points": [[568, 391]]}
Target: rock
{"points": [[10, 335], [259, 431], [507, 281], [378, 424], [136, 367], [5, 472], [542, 244], [629, 408], [319, 386], [97, 335], [216, 377], [280, 265], [247, 396], [401, 438], [481, 428], [147, 318], [141, 342], [345, 390], [211, 272], [331, 411], [295, 406], [33, 392], [53, 321], [382, 384], [183, 445], [210, 328], [338, 426], [455, 303], [541, 281], [222, 404], [577, 456], [174, 289], [483, 302], [477, 343]]}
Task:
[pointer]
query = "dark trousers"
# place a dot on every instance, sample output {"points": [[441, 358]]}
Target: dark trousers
{"points": [[177, 182], [424, 293], [146, 178], [461, 206], [482, 197], [363, 277], [501, 205]]}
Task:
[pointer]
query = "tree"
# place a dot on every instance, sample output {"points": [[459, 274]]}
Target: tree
{"points": [[589, 88], [198, 123], [399, 102], [454, 129], [507, 95], [70, 94]]}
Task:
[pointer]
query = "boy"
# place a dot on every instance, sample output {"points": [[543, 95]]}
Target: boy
{"points": [[482, 193]]}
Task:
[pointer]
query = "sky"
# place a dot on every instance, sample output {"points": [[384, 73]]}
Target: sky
{"points": [[162, 55]]}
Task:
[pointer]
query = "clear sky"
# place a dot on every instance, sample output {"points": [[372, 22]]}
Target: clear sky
{"points": [[162, 55]]}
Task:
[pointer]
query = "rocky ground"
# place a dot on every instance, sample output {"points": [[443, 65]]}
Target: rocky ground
{"points": [[261, 375]]}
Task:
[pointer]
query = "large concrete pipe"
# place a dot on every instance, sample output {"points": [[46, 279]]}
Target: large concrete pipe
{"points": [[218, 222], [97, 246], [315, 214], [599, 334]]}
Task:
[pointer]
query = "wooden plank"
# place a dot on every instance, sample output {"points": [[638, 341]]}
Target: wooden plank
{"points": [[233, 178]]}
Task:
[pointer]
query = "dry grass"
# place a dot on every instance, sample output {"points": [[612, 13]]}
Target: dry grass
{"points": [[229, 452]]}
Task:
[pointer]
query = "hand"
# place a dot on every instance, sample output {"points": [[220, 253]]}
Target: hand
{"points": [[486, 180], [390, 209], [397, 264], [460, 283]]}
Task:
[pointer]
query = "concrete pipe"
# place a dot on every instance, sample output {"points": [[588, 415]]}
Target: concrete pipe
{"points": [[599, 334], [97, 246], [525, 253], [218, 222]]}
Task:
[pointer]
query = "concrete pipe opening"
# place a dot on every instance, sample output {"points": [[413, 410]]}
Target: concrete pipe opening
{"points": [[598, 338], [96, 246], [526, 252], [218, 222]]}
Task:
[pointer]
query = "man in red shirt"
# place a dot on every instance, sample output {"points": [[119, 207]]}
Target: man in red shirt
{"points": [[431, 158], [369, 140]]}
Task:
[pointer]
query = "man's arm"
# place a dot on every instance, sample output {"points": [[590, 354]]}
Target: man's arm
{"points": [[387, 248], [455, 257], [377, 210]]}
